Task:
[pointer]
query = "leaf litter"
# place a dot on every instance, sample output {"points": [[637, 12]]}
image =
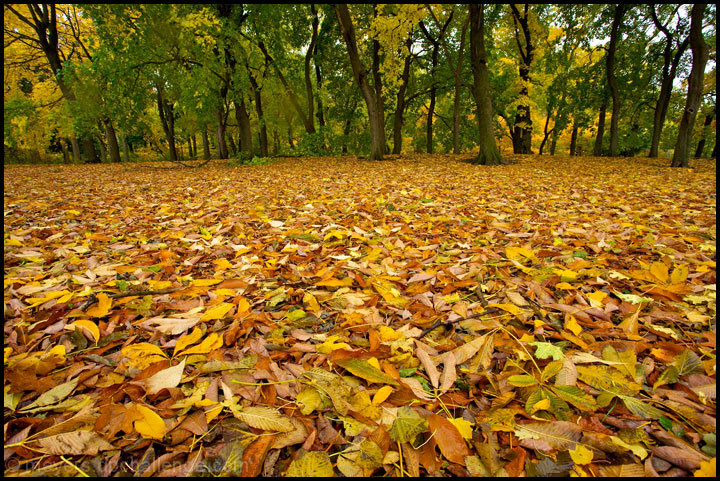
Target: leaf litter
{"points": [[318, 316]]}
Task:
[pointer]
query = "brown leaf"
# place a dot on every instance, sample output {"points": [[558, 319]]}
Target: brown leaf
{"points": [[254, 456], [448, 438]]}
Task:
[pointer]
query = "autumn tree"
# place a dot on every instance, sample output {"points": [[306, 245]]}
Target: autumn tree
{"points": [[488, 153], [700, 51]]}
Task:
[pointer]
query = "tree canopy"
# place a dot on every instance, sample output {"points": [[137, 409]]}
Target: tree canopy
{"points": [[255, 80]]}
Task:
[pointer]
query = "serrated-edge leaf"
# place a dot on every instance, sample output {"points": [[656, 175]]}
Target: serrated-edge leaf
{"points": [[312, 464], [365, 370], [265, 418], [407, 425], [560, 435]]}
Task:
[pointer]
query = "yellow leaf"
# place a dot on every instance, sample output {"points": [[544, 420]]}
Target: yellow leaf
{"points": [[596, 298], [679, 274], [89, 325], [463, 426], [143, 354], [707, 469], [382, 394], [224, 292], [216, 312], [374, 362], [159, 284], [222, 264], [572, 325], [511, 308], [637, 448], [13, 242], [212, 342], [660, 271], [187, 340], [518, 253], [103, 306], [581, 455], [541, 405], [564, 285], [388, 334], [347, 281], [213, 412], [311, 303], [329, 345], [566, 274], [205, 282], [243, 306], [150, 425]]}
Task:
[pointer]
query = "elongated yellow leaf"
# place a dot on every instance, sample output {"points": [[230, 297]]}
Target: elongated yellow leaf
{"points": [[216, 312], [660, 271], [104, 304], [151, 425], [382, 394], [187, 340], [365, 370], [87, 324], [212, 342]]}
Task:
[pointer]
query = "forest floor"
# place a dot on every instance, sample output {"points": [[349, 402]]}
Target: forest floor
{"points": [[276, 319]]}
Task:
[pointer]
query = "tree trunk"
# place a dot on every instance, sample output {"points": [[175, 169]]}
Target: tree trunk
{"points": [[522, 128], [701, 143], [222, 149], [262, 134], [291, 136], [124, 142], [700, 52], [243, 120], [456, 94], [346, 134], [670, 64], [103, 152], [597, 149], [612, 81], [400, 104], [573, 140], [66, 153], [232, 150], [206, 144], [307, 122], [112, 142], [167, 119], [377, 130], [75, 148], [488, 153], [546, 133]]}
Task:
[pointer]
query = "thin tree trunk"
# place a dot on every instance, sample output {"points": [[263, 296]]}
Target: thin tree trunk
{"points": [[400, 104], [488, 153], [701, 143], [670, 65], [66, 153], [700, 51], [597, 149], [573, 140], [612, 81], [167, 120], [222, 149], [75, 148], [243, 120], [205, 144], [377, 129], [522, 129], [232, 150], [124, 142], [103, 152], [262, 134], [112, 143]]}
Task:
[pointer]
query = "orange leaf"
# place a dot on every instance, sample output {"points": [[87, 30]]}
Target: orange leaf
{"points": [[451, 443]]}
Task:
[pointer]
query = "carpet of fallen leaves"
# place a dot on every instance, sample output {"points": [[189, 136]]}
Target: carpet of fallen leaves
{"points": [[320, 316]]}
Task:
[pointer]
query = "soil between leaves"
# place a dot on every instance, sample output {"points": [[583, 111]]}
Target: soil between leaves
{"points": [[598, 276]]}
